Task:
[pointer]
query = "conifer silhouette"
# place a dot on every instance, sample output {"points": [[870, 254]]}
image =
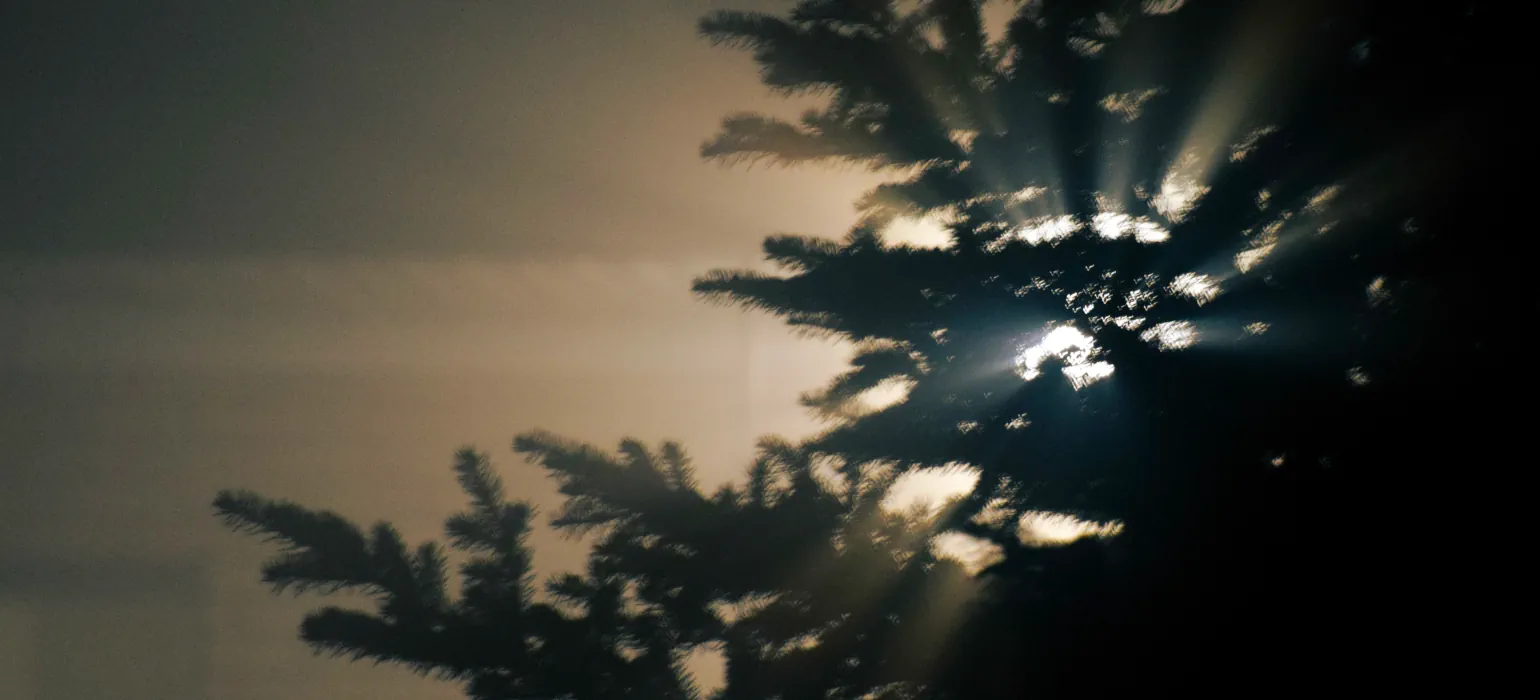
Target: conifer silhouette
{"points": [[1218, 272]]}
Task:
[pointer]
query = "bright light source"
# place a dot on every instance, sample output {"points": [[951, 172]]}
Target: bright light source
{"points": [[1071, 345], [1177, 197], [1112, 226]]}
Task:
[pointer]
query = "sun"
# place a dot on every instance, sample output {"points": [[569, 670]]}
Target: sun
{"points": [[1070, 344]]}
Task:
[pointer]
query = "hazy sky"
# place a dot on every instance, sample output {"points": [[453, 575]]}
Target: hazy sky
{"points": [[311, 248]]}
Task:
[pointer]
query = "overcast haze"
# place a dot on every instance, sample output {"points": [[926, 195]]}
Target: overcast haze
{"points": [[312, 248]]}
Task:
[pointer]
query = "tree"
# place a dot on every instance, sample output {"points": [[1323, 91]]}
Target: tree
{"points": [[1205, 264], [1252, 232], [765, 568], [494, 635]]}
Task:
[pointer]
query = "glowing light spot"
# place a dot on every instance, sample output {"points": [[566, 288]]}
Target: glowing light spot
{"points": [[1112, 226], [1063, 342], [1358, 376], [1277, 461], [1264, 198], [1201, 288], [929, 232], [1322, 198], [1020, 422], [1240, 150], [1084, 375], [1128, 323], [1027, 194], [1248, 259], [930, 489], [1049, 528], [1257, 328], [1129, 104], [1377, 292], [1172, 335], [1146, 231], [886, 394], [1045, 230], [964, 138], [968, 426], [1086, 46], [972, 553], [1177, 196], [1071, 345], [1140, 299]]}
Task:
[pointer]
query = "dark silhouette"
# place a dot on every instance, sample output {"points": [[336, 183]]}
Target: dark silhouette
{"points": [[751, 566], [1219, 272], [1288, 187], [494, 635]]}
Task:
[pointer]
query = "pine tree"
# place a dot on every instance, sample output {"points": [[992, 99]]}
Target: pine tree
{"points": [[793, 573], [1257, 237], [495, 636], [1210, 265]]}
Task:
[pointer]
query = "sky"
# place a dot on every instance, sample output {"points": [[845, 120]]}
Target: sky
{"points": [[311, 248]]}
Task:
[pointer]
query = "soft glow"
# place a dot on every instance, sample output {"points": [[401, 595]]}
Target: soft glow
{"points": [[1112, 226], [1201, 288], [929, 232], [1071, 345], [886, 394], [1246, 145], [964, 138], [972, 553], [1045, 230], [1177, 196], [1139, 300], [1172, 335], [1129, 323], [1084, 375], [1248, 259], [1377, 292], [1146, 231], [1027, 194], [1323, 197], [1050, 528], [1061, 342], [929, 489], [1129, 104]]}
